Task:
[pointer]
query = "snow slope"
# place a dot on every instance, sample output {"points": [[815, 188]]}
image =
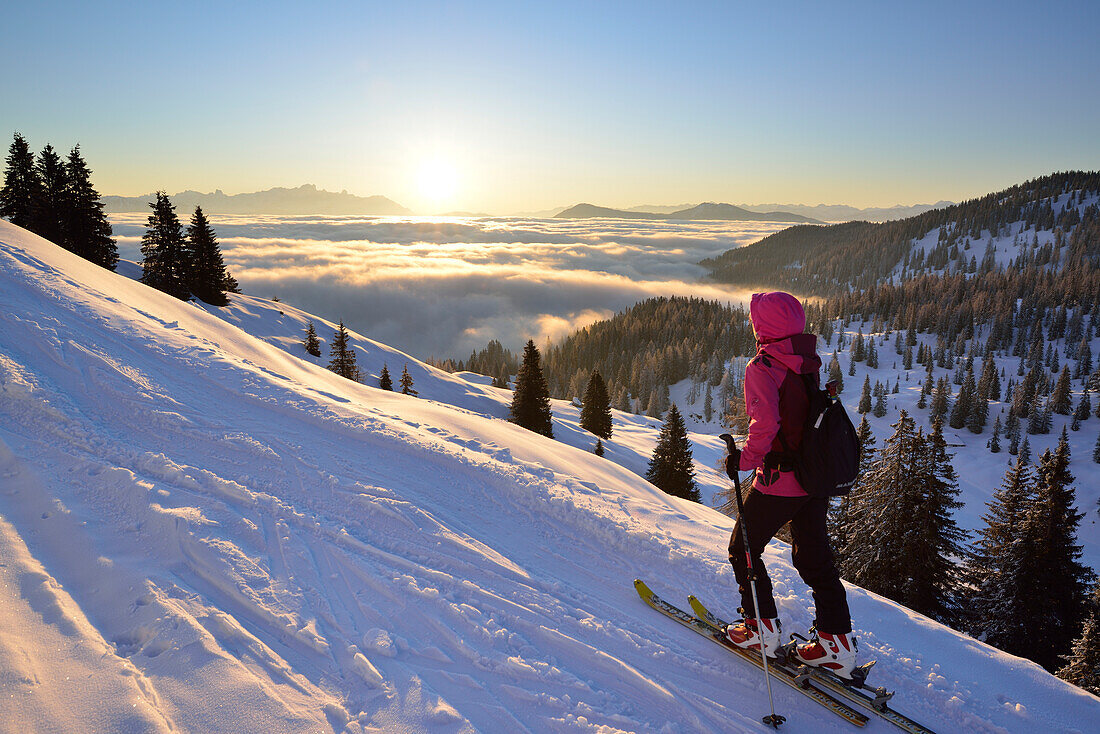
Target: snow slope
{"points": [[631, 446], [201, 531]]}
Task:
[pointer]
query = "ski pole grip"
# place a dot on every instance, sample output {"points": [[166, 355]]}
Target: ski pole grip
{"points": [[730, 445]]}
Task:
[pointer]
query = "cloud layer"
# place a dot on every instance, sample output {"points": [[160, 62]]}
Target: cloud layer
{"points": [[446, 287]]}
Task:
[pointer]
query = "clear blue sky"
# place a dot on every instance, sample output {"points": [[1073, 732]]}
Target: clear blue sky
{"points": [[506, 106]]}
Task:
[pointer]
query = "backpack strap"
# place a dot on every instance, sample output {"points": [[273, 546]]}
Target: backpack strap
{"points": [[786, 460]]}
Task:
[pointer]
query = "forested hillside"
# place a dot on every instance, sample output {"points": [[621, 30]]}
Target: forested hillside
{"points": [[641, 352], [828, 261]]}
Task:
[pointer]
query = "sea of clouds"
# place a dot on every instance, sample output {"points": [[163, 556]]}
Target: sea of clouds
{"points": [[445, 287]]}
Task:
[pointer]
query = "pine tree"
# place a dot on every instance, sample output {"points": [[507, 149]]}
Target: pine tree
{"points": [[21, 185], [406, 382], [995, 439], [1082, 667], [85, 224], [903, 510], [1025, 452], [960, 412], [1096, 450], [940, 400], [531, 399], [865, 397], [1060, 400], [599, 450], [880, 405], [1024, 394], [835, 374], [52, 202], [1012, 432], [840, 519], [208, 279], [342, 356], [1084, 360], [596, 408], [1060, 580], [979, 414], [937, 582], [164, 250], [989, 385], [1000, 601], [311, 343], [671, 468], [1039, 416], [1084, 408], [653, 407], [708, 405], [384, 380]]}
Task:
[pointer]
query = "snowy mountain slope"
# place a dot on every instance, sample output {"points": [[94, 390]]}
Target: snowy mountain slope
{"points": [[234, 539], [631, 446], [1005, 245], [980, 471]]}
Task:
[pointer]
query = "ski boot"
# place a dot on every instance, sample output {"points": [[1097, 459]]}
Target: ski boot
{"points": [[745, 634], [833, 652]]}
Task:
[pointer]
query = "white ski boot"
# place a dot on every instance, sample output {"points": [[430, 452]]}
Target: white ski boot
{"points": [[745, 634], [832, 652]]}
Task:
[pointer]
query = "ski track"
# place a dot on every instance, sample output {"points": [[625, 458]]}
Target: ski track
{"points": [[329, 566]]}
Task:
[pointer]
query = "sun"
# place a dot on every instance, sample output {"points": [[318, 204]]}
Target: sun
{"points": [[437, 180]]}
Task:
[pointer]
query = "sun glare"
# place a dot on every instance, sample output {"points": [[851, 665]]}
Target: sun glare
{"points": [[437, 181]]}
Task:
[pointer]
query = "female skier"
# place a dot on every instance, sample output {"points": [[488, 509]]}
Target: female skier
{"points": [[777, 405]]}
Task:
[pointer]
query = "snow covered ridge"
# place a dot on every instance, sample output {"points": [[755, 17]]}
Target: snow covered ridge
{"points": [[203, 532], [1000, 247]]}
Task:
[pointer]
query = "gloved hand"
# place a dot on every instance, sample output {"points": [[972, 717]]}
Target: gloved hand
{"points": [[733, 458], [733, 462]]}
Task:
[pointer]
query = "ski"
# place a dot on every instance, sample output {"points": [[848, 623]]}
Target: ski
{"points": [[876, 703], [803, 686]]}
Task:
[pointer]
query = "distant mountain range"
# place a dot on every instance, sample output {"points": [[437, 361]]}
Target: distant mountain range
{"points": [[823, 212], [843, 213], [706, 210], [306, 199]]}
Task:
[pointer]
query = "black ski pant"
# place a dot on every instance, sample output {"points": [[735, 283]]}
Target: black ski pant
{"points": [[765, 514]]}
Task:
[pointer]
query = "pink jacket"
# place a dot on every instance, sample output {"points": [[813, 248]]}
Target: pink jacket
{"points": [[778, 321]]}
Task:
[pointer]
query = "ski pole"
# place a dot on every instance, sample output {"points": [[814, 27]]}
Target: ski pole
{"points": [[773, 720]]}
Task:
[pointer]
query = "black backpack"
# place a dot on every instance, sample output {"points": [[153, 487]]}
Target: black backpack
{"points": [[826, 462]]}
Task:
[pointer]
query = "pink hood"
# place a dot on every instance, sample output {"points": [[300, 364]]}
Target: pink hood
{"points": [[776, 315]]}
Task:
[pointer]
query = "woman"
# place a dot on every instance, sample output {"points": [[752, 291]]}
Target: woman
{"points": [[777, 404]]}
